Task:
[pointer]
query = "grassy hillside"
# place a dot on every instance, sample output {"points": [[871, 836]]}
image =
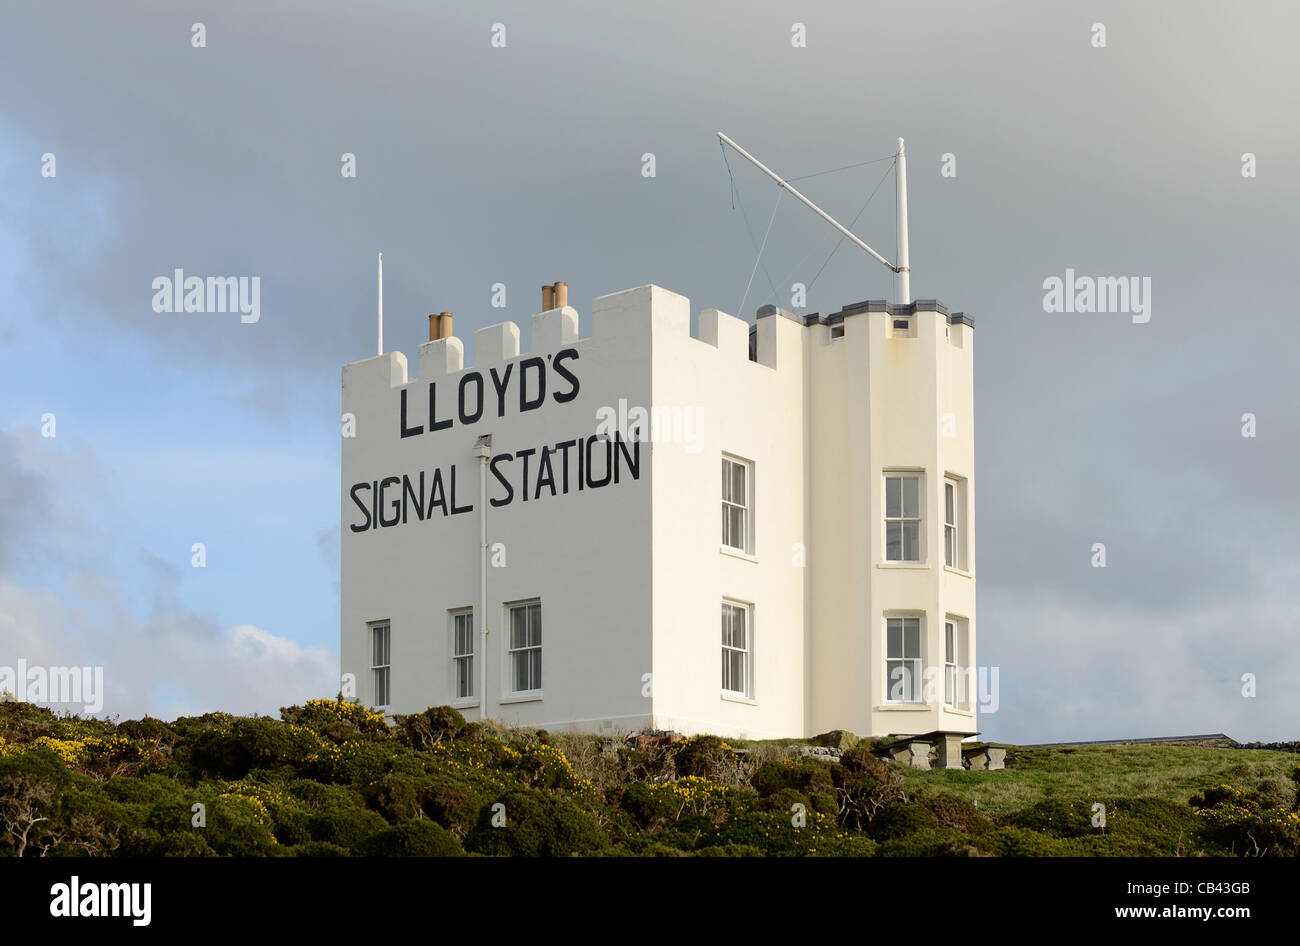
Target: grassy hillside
{"points": [[332, 779]]}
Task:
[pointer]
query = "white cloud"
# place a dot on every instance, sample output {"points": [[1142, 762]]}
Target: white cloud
{"points": [[166, 666]]}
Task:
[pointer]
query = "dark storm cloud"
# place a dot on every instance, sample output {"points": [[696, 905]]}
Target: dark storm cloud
{"points": [[522, 165]]}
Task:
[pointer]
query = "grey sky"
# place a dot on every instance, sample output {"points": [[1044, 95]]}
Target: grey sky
{"points": [[522, 166]]}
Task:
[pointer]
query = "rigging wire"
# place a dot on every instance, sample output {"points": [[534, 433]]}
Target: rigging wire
{"points": [[854, 220], [888, 157], [771, 221], [735, 198]]}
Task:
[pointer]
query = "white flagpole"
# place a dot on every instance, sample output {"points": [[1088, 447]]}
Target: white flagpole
{"points": [[904, 269], [381, 303]]}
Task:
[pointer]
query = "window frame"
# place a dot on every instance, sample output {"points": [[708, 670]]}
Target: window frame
{"points": [[746, 609], [915, 694], [512, 651], [902, 519], [951, 664], [964, 689], [386, 668], [747, 508], [454, 617], [955, 540]]}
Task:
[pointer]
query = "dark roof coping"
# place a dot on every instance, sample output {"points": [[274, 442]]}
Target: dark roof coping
{"points": [[765, 311]]}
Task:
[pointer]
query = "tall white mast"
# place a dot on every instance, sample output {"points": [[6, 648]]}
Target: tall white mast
{"points": [[904, 273], [381, 303], [904, 288]]}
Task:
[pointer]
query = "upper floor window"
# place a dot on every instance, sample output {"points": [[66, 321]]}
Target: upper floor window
{"points": [[954, 522], [380, 663], [902, 517], [737, 504]]}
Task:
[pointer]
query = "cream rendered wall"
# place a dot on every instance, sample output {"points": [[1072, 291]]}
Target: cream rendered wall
{"points": [[586, 555], [841, 508], [877, 404], [753, 410]]}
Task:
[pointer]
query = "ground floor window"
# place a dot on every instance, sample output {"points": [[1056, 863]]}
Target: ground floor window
{"points": [[903, 659], [462, 652], [526, 647], [380, 662], [737, 648]]}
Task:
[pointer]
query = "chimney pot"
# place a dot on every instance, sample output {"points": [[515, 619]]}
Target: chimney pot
{"points": [[444, 325], [548, 298], [433, 326], [561, 295]]}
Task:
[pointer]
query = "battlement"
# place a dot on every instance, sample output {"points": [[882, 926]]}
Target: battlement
{"points": [[640, 316]]}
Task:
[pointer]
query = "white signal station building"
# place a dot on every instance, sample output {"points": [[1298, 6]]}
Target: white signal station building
{"points": [[757, 531]]}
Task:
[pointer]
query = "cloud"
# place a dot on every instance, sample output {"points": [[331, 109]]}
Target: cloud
{"points": [[82, 602], [1089, 428], [173, 665]]}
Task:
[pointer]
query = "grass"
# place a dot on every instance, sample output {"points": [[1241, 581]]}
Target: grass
{"points": [[1171, 773]]}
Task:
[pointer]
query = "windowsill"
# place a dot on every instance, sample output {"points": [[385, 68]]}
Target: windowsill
{"points": [[904, 565], [903, 708], [738, 698], [959, 712], [959, 571], [531, 697], [468, 702], [737, 553]]}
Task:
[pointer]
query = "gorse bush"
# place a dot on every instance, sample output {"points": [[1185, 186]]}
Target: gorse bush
{"points": [[334, 779]]}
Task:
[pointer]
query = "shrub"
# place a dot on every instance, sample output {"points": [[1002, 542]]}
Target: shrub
{"points": [[705, 757], [805, 777], [647, 764], [1275, 793], [238, 826], [899, 819], [319, 849], [652, 806], [864, 786], [258, 742], [730, 850], [1236, 820], [148, 730], [928, 842], [1058, 817], [396, 797], [340, 720], [191, 843], [423, 731], [352, 763], [1012, 841], [455, 807], [846, 845], [771, 832], [412, 839], [956, 812], [538, 824]]}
